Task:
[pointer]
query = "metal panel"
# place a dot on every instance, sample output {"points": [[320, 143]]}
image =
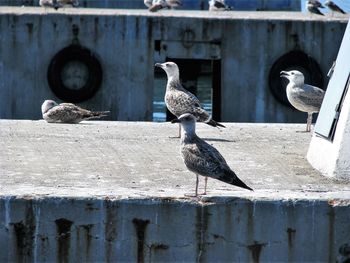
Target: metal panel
{"points": [[330, 108]]}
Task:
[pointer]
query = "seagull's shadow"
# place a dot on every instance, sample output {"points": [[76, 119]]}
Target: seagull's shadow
{"points": [[302, 131], [217, 140]]}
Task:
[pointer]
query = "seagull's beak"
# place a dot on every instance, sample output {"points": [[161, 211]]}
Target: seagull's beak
{"points": [[159, 65], [284, 74], [175, 121]]}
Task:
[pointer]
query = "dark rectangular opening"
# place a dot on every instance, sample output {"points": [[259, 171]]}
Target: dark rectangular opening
{"points": [[199, 76]]}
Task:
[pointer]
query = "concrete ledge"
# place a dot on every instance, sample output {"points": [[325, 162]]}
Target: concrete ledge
{"points": [[251, 15], [114, 191]]}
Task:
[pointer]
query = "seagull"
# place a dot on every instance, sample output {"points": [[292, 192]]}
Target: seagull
{"points": [[179, 100], [313, 5], [67, 113], [333, 7], [218, 5], [173, 3], [302, 96], [155, 5], [58, 3], [202, 158]]}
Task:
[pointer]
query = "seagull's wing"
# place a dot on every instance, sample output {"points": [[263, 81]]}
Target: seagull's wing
{"points": [[311, 96], [180, 101], [315, 10], [336, 8], [202, 158]]}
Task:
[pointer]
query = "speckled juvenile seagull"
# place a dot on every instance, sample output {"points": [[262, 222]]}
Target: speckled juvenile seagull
{"points": [[302, 96], [67, 113], [179, 100], [313, 5], [155, 5], [202, 158], [333, 7], [58, 3], [218, 5]]}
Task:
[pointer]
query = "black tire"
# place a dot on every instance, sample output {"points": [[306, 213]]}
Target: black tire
{"points": [[60, 60]]}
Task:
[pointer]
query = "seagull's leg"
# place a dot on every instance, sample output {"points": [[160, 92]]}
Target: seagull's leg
{"points": [[205, 185], [196, 190], [308, 122], [179, 136]]}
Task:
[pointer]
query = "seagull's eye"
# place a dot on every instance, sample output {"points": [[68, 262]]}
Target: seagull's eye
{"points": [[292, 73], [167, 65]]}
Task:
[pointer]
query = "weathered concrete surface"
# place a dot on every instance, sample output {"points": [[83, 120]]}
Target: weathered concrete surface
{"points": [[124, 41], [114, 191]]}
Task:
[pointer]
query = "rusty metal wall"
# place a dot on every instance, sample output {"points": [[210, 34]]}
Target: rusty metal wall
{"points": [[163, 230]]}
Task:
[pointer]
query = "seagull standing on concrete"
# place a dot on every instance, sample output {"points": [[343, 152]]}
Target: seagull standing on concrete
{"points": [[58, 3], [179, 100], [67, 113], [313, 7], [218, 5], [202, 158], [333, 7], [302, 96]]}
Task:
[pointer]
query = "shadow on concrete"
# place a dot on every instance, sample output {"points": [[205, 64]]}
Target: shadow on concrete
{"points": [[216, 140]]}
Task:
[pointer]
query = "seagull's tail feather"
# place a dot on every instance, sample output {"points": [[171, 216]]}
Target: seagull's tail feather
{"points": [[155, 7], [215, 123], [231, 178], [97, 114]]}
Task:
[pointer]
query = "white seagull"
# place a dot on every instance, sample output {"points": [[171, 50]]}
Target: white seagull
{"points": [[58, 3], [302, 96], [67, 113], [202, 158], [155, 5], [218, 5], [179, 100]]}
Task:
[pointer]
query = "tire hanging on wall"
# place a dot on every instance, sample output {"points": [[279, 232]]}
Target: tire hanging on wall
{"points": [[80, 54]]}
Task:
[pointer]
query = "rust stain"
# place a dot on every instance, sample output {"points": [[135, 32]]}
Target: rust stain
{"points": [[291, 235], [88, 236], [63, 228], [25, 234], [140, 227], [256, 250], [331, 216], [90, 207], [202, 221]]}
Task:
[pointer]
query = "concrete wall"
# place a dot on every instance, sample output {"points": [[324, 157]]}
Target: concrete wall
{"points": [[159, 230], [124, 41]]}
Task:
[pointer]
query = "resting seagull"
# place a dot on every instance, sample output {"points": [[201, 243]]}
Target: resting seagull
{"points": [[155, 5], [179, 100], [67, 113], [202, 158], [58, 3], [313, 5], [302, 96], [333, 7], [218, 5]]}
